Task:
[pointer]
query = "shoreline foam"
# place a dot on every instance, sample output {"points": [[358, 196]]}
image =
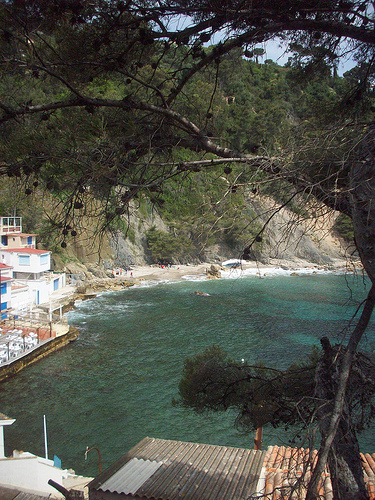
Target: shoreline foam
{"points": [[153, 275], [251, 268]]}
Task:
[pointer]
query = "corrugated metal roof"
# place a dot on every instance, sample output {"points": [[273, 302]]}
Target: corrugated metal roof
{"points": [[189, 470], [22, 495], [207, 472], [14, 494], [131, 477]]}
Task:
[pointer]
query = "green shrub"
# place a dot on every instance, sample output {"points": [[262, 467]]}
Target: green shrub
{"points": [[344, 227], [166, 247]]}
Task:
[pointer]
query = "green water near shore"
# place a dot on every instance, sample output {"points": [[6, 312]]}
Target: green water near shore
{"points": [[115, 384]]}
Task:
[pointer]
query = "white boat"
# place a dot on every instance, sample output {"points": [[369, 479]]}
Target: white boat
{"points": [[233, 263]]}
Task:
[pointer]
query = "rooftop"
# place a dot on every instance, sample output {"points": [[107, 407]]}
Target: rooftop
{"points": [[163, 469], [14, 494], [5, 278], [25, 250], [167, 470], [24, 235], [286, 469]]}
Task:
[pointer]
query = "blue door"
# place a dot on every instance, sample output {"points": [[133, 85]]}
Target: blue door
{"points": [[4, 306], [37, 297], [56, 284]]}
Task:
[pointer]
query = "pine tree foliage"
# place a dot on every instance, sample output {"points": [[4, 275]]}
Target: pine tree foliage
{"points": [[99, 99]]}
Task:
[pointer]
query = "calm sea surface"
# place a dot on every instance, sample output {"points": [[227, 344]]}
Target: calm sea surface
{"points": [[115, 384]]}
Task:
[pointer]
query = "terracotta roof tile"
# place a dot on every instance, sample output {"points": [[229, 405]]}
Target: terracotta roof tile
{"points": [[288, 470], [24, 250]]}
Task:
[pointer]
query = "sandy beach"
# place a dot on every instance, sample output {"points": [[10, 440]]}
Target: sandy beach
{"points": [[174, 273], [179, 272], [153, 274]]}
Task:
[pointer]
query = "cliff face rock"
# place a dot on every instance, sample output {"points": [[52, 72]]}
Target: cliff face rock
{"points": [[130, 248], [290, 236], [286, 236]]}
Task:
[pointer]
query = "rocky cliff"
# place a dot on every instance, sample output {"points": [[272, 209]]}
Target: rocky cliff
{"points": [[287, 236]]}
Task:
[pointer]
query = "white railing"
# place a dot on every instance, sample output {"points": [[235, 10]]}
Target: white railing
{"points": [[11, 225]]}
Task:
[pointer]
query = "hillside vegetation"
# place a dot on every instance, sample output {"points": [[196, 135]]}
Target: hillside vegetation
{"points": [[212, 213]]}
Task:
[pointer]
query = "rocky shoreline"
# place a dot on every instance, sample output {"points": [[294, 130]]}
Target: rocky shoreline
{"points": [[91, 285]]}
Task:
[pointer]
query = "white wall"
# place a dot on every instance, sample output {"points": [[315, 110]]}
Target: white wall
{"points": [[30, 473], [41, 286], [11, 258], [21, 299]]}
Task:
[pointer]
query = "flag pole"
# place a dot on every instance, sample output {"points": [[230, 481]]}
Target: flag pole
{"points": [[45, 437]]}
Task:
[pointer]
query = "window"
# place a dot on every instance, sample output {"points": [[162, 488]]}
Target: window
{"points": [[4, 240], [29, 240], [44, 259], [24, 260], [3, 288]]}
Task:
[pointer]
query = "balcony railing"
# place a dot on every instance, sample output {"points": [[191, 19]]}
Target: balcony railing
{"points": [[10, 225]]}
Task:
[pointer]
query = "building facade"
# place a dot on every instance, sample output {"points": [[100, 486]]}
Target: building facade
{"points": [[27, 278]]}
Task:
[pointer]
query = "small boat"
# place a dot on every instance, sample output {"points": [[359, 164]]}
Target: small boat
{"points": [[233, 263]]}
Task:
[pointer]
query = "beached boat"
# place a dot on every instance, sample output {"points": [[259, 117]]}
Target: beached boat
{"points": [[233, 263]]}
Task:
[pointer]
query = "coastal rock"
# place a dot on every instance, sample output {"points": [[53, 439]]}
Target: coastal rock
{"points": [[77, 272], [214, 271], [98, 271], [104, 285], [202, 294]]}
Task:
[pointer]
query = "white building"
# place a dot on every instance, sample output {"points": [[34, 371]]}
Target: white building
{"points": [[33, 282], [27, 472], [27, 263]]}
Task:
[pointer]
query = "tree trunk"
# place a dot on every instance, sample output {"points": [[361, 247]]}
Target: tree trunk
{"points": [[343, 456], [339, 443]]}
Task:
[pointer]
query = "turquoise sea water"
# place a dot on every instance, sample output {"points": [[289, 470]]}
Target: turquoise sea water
{"points": [[115, 384]]}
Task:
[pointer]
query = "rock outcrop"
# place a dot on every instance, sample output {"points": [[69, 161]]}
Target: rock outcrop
{"points": [[213, 272]]}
